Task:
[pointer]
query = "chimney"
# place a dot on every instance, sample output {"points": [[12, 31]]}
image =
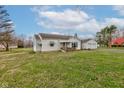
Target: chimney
{"points": [[75, 35]]}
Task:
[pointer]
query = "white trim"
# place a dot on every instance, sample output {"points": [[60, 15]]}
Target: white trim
{"points": [[40, 37]]}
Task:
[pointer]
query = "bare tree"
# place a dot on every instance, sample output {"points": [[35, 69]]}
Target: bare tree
{"points": [[21, 41], [29, 42], [6, 28]]}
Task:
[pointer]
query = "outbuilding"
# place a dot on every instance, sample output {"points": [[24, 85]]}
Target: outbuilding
{"points": [[89, 44]]}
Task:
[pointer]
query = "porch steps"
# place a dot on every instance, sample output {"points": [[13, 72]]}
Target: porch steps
{"points": [[62, 50]]}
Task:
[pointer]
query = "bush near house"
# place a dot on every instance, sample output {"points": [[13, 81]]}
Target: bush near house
{"points": [[94, 68]]}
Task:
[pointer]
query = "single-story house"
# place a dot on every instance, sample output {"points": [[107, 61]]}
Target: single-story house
{"points": [[54, 42], [89, 44]]}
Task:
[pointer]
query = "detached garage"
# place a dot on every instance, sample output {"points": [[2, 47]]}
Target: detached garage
{"points": [[89, 44]]}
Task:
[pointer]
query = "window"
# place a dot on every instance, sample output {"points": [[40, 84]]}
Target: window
{"points": [[52, 43], [74, 44], [40, 44]]}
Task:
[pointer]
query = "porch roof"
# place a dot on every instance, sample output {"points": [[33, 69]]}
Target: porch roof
{"points": [[64, 41]]}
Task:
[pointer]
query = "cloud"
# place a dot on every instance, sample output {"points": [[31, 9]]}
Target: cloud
{"points": [[86, 36], [119, 22], [90, 26], [119, 9], [63, 20], [68, 20], [56, 33], [68, 16], [41, 8], [73, 20]]}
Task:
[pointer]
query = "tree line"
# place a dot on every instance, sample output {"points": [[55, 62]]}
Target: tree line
{"points": [[104, 37]]}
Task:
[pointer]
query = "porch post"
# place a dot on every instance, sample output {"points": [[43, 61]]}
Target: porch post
{"points": [[65, 46]]}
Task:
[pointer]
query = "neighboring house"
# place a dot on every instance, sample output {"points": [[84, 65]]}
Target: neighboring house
{"points": [[118, 41], [54, 42], [11, 46], [1, 46], [89, 44]]}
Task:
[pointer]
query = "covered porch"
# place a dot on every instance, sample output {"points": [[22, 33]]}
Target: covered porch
{"points": [[68, 46]]}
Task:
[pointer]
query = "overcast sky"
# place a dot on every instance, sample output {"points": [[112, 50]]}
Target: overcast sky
{"points": [[83, 20]]}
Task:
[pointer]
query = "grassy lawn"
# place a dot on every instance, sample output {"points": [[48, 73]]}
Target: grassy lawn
{"points": [[96, 68]]}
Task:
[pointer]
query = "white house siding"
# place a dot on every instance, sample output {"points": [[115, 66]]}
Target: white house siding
{"points": [[91, 44], [36, 46], [46, 45]]}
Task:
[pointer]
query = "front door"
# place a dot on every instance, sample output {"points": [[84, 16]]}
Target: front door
{"points": [[74, 45]]}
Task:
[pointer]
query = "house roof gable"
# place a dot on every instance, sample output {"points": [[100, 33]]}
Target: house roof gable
{"points": [[37, 37], [53, 36], [45, 36]]}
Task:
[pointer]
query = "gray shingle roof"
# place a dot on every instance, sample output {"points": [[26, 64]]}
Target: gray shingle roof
{"points": [[54, 36], [85, 40]]}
